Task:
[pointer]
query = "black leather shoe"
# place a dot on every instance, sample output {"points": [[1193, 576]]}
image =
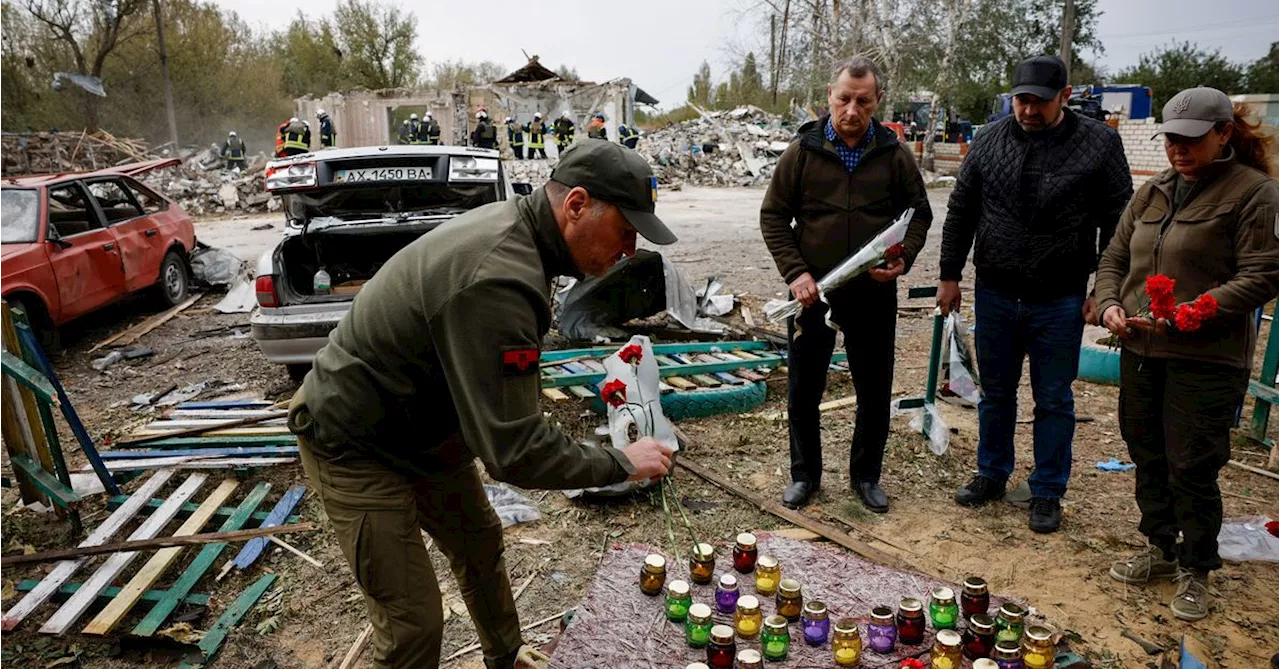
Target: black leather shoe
{"points": [[798, 493], [980, 491], [872, 496], [1046, 515]]}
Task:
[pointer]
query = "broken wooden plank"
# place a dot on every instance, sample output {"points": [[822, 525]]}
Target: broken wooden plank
{"points": [[747, 317], [63, 570], [261, 432], [29, 377], [582, 392], [192, 462], [189, 508], [132, 592], [226, 425], [708, 381], [357, 648], [175, 424], [749, 375], [126, 337], [293, 549], [212, 641], [227, 404], [148, 597], [658, 349], [851, 400], [70, 612], [476, 646], [209, 441], [731, 379], [160, 542], [1251, 468], [218, 414], [554, 395], [797, 533], [59, 492], [203, 560], [832, 533], [224, 452], [681, 383], [249, 554]]}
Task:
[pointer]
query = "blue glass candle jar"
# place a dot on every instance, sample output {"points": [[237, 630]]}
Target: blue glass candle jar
{"points": [[882, 631], [814, 623]]}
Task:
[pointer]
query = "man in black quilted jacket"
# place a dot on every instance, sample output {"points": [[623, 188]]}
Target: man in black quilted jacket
{"points": [[1037, 199]]}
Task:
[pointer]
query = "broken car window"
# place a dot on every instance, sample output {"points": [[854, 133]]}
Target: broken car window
{"points": [[19, 215], [116, 204], [69, 211]]}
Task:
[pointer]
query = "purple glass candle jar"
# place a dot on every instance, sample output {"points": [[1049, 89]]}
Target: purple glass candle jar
{"points": [[815, 623], [882, 631], [727, 594]]}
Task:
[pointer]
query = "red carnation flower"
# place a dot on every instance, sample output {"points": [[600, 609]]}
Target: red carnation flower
{"points": [[1160, 289], [1206, 307], [911, 663], [1187, 318], [631, 354], [614, 393], [893, 252]]}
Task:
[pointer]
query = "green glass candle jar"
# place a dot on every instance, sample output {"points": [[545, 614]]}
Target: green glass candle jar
{"points": [[697, 627], [678, 601], [943, 609], [1011, 622], [776, 639]]}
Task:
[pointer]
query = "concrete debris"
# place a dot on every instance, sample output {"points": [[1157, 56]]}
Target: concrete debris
{"points": [[202, 186], [721, 148], [536, 172]]}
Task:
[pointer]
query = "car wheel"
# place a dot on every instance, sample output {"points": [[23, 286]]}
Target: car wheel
{"points": [[298, 372], [39, 322], [173, 284]]}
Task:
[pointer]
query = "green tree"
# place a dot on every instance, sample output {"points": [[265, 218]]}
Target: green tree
{"points": [[447, 74], [1263, 75], [1182, 65], [750, 83], [568, 73], [700, 90], [378, 44], [309, 57]]}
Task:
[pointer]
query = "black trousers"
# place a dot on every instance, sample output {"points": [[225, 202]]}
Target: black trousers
{"points": [[1176, 417], [867, 313], [539, 151], [518, 149]]}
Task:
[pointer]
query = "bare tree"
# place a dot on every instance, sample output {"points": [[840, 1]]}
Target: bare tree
{"points": [[956, 13], [91, 31]]}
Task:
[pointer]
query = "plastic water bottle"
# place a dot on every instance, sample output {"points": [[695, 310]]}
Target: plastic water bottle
{"points": [[320, 284]]}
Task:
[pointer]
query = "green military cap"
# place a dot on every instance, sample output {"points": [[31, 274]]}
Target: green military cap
{"points": [[620, 176]]}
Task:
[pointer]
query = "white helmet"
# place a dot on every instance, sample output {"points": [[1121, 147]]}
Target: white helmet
{"points": [[320, 113], [231, 134], [293, 119], [480, 114], [413, 117], [307, 123], [537, 115], [564, 114], [428, 115], [509, 120]]}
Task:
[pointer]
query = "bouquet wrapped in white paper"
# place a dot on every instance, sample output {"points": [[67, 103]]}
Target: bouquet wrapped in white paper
{"points": [[883, 247]]}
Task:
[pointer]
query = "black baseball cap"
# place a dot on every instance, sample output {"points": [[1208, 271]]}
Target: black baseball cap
{"points": [[1041, 76], [617, 175]]}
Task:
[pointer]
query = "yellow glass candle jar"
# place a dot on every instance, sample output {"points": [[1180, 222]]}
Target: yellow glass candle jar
{"points": [[1037, 648], [748, 619], [846, 642], [768, 573], [702, 564], [653, 575], [790, 600], [946, 650]]}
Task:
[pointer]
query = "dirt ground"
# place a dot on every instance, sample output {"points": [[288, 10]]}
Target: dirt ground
{"points": [[318, 612]]}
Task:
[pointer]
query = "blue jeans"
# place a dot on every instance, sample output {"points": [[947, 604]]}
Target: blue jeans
{"points": [[1049, 334]]}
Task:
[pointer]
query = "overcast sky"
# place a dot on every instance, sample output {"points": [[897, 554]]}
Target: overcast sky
{"points": [[660, 43]]}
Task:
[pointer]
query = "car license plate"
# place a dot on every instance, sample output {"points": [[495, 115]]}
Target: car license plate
{"points": [[382, 174]]}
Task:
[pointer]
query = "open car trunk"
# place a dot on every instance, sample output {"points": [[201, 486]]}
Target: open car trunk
{"points": [[351, 256]]}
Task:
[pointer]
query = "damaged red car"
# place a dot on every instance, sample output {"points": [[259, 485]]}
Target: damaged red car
{"points": [[74, 243]]}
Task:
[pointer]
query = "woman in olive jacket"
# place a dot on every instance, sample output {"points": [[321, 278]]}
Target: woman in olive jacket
{"points": [[1209, 223]]}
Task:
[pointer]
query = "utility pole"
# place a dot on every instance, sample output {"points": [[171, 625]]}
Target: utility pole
{"points": [[1068, 34], [164, 71], [773, 56]]}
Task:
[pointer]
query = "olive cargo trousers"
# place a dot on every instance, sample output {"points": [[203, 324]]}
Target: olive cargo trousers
{"points": [[377, 514]]}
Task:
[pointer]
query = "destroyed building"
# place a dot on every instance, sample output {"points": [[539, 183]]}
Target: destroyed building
{"points": [[368, 117]]}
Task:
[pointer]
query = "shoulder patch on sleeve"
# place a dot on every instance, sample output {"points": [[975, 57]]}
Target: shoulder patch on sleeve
{"points": [[520, 360]]}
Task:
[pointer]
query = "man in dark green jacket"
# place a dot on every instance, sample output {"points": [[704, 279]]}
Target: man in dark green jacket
{"points": [[842, 181], [436, 365]]}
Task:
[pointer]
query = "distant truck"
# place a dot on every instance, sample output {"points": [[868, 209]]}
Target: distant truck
{"points": [[1125, 101]]}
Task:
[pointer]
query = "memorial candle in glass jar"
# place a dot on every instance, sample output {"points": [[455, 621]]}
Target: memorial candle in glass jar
{"points": [[882, 631], [946, 651], [979, 636], [697, 665], [744, 553], [943, 609], [846, 643], [749, 658], [768, 573], [790, 601], [1037, 650], [776, 639], [653, 575], [1008, 655], [1011, 622], [814, 623], [985, 663], [910, 621], [748, 620], [702, 564], [722, 650], [974, 597], [678, 601], [727, 594], [697, 628]]}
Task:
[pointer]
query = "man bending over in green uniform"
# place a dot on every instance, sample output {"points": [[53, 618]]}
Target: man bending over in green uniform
{"points": [[436, 365]]}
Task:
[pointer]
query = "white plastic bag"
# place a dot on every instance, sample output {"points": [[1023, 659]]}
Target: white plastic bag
{"points": [[512, 507], [960, 373], [937, 432], [1243, 539]]}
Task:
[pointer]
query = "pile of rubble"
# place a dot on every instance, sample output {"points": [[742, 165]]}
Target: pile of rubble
{"points": [[536, 172], [721, 148], [52, 152], [202, 186]]}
